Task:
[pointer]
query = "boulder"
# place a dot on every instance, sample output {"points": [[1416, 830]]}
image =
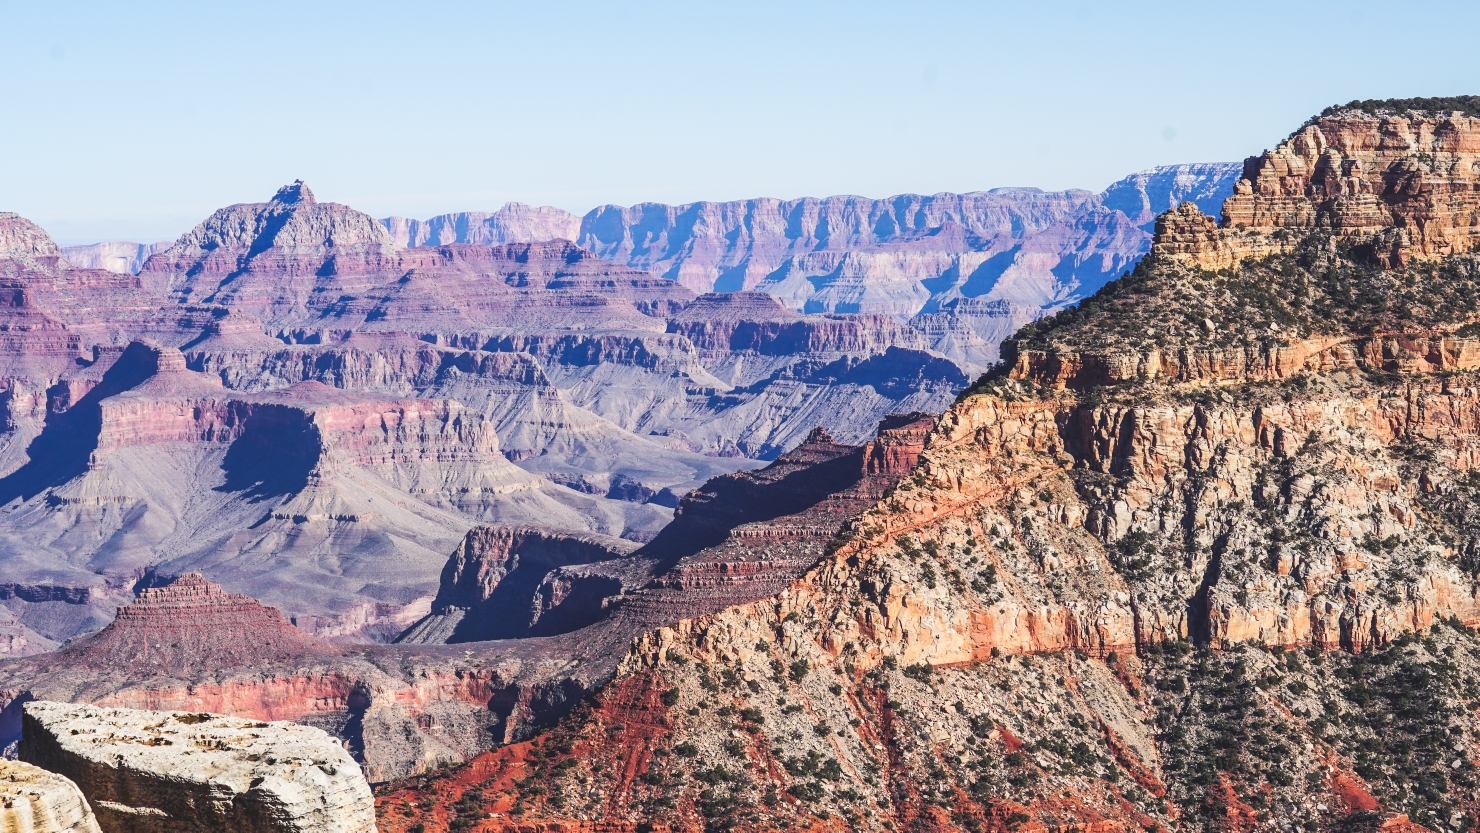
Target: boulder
{"points": [[182, 771], [33, 800]]}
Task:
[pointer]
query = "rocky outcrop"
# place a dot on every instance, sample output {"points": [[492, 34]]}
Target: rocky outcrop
{"points": [[191, 626], [27, 246], [150, 771], [1402, 181], [509, 582], [33, 800]]}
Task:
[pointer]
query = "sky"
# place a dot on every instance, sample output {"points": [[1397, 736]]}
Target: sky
{"points": [[134, 121]]}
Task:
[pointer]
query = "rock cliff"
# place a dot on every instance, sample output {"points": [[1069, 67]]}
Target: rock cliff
{"points": [[1402, 181], [514, 223], [149, 771], [1198, 556], [33, 800], [513, 581]]}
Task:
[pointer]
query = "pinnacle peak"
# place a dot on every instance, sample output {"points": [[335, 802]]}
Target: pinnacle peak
{"points": [[296, 193]]}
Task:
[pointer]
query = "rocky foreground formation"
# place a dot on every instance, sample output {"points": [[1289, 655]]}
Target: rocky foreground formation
{"points": [[33, 800], [1200, 555], [179, 771], [564, 608]]}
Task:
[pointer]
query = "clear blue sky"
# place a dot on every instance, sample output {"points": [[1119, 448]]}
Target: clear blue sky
{"points": [[135, 120]]}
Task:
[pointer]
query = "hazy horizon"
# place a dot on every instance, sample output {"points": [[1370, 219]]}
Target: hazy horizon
{"points": [[146, 120], [580, 213]]}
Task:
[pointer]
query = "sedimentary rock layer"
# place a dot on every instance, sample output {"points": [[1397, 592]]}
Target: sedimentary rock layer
{"points": [[1404, 183]]}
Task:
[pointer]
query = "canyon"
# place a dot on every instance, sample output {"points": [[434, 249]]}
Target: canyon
{"points": [[293, 403], [608, 391], [1198, 555], [726, 517], [527, 621]]}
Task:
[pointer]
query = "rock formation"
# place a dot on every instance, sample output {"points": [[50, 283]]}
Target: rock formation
{"points": [[190, 626], [1201, 555], [1403, 181], [113, 256], [568, 607], [969, 268], [33, 800], [512, 581], [26, 245], [149, 771]]}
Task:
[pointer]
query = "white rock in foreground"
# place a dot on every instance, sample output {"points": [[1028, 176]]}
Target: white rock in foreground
{"points": [[33, 800], [184, 771]]}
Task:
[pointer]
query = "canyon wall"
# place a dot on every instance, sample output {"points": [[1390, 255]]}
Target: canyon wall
{"points": [[1201, 556], [968, 269]]}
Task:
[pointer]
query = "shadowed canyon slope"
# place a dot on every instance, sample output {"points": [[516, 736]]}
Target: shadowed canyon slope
{"points": [[1199, 555]]}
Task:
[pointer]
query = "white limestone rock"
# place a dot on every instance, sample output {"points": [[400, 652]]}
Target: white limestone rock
{"points": [[33, 800], [183, 771]]}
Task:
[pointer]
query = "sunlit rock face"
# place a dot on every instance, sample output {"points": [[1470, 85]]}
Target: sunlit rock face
{"points": [[1201, 553], [192, 771]]}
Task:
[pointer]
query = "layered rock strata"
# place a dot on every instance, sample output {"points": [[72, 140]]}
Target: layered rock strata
{"points": [[404, 708], [188, 771], [33, 800], [968, 268], [1403, 182], [191, 626], [1237, 599]]}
